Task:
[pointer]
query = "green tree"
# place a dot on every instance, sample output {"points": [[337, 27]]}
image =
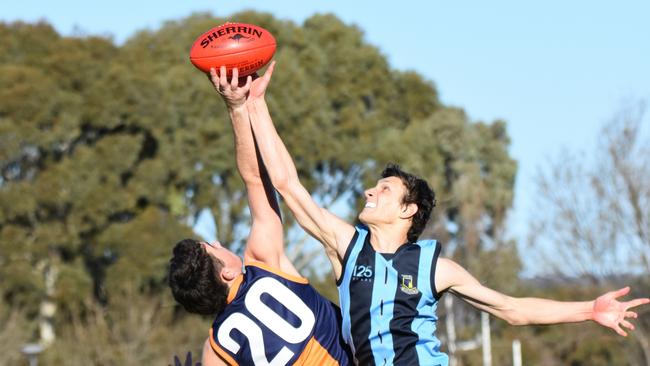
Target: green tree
{"points": [[108, 153]]}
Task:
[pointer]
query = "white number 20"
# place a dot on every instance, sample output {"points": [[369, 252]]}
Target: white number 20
{"points": [[269, 318]]}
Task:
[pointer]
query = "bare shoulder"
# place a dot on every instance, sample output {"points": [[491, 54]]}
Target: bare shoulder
{"points": [[449, 274], [445, 266]]}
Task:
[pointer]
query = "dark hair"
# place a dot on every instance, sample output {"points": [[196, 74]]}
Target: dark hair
{"points": [[194, 278], [418, 192]]}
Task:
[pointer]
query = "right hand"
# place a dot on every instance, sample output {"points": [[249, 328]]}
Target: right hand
{"points": [[234, 93]]}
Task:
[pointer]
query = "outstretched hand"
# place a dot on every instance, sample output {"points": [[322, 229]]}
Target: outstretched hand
{"points": [[233, 92], [611, 313]]}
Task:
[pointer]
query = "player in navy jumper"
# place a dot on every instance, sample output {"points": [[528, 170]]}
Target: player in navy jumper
{"points": [[389, 282], [266, 314]]}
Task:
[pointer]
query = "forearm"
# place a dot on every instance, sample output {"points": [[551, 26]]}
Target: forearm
{"points": [[315, 220], [245, 157], [274, 153], [516, 311], [284, 177], [543, 311]]}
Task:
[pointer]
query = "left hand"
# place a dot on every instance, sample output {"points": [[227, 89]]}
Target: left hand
{"points": [[233, 92], [611, 313], [259, 85]]}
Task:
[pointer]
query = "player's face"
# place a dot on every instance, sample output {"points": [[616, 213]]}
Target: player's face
{"points": [[230, 260], [383, 201]]}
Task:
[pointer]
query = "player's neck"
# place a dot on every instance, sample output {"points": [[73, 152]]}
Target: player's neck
{"points": [[387, 239]]}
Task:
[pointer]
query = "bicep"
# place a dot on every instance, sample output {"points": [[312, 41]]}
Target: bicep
{"points": [[453, 278], [265, 242]]}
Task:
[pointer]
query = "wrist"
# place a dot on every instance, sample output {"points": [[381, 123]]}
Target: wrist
{"points": [[238, 113], [255, 101], [238, 107], [591, 310]]}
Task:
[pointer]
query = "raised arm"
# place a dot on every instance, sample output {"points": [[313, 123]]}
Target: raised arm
{"points": [[334, 233], [265, 242], [605, 310]]}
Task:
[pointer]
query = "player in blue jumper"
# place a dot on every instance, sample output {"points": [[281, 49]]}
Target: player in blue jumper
{"points": [[389, 282], [266, 314]]}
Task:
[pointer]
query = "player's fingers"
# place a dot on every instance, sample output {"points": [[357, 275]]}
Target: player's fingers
{"points": [[627, 324], [620, 331], [213, 76], [621, 292], [269, 71], [249, 81], [636, 302], [631, 314], [223, 78], [234, 82]]}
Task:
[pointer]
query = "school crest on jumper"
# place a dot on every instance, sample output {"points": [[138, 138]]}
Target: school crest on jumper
{"points": [[407, 285]]}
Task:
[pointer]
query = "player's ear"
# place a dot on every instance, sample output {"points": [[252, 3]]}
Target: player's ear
{"points": [[227, 274], [408, 210]]}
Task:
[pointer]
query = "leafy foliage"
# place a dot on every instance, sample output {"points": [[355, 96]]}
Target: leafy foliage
{"points": [[107, 153]]}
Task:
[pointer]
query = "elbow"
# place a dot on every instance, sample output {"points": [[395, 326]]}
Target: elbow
{"points": [[513, 315], [250, 177], [516, 319], [280, 180]]}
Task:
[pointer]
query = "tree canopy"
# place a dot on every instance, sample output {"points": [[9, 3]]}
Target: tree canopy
{"points": [[107, 152]]}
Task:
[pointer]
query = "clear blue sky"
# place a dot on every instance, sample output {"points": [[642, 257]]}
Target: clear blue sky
{"points": [[554, 70]]}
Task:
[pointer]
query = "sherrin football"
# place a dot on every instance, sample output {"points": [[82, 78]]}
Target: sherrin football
{"points": [[244, 46]]}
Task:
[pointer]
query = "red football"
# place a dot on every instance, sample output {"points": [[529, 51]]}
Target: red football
{"points": [[244, 46]]}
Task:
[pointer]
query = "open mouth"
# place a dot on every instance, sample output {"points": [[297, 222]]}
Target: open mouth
{"points": [[370, 205]]}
